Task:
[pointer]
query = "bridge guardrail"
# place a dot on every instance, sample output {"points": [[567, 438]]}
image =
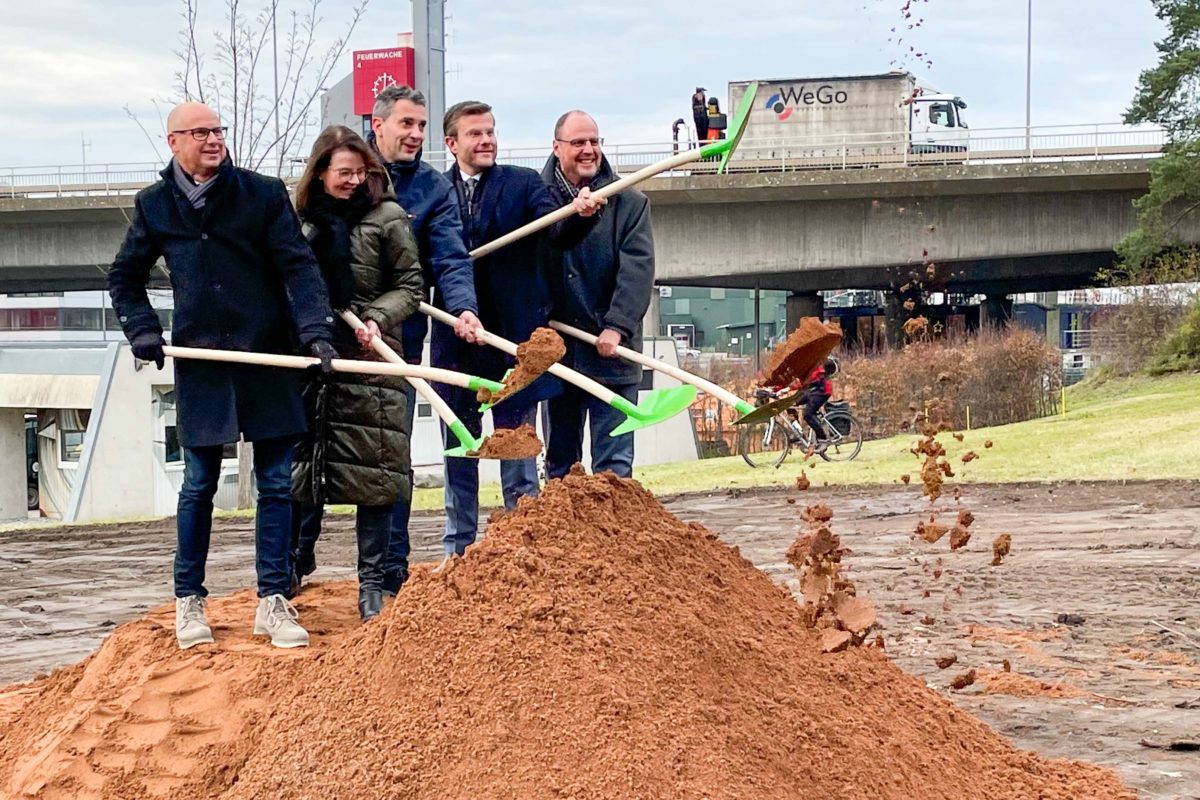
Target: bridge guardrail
{"points": [[754, 154]]}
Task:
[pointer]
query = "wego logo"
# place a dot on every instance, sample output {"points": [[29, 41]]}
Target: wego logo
{"points": [[784, 102]]}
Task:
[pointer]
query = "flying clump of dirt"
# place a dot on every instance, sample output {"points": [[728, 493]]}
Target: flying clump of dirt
{"points": [[831, 604], [964, 680], [1001, 548], [510, 443], [803, 351], [534, 357], [916, 326]]}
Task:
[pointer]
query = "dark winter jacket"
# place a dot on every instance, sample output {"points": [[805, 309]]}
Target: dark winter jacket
{"points": [[358, 448], [433, 214], [604, 281], [511, 288], [244, 278]]}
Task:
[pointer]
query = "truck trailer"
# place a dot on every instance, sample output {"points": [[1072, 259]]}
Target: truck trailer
{"points": [[852, 120]]}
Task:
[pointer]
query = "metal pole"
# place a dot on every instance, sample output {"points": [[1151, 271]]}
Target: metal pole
{"points": [[429, 45], [1028, 73], [757, 343]]}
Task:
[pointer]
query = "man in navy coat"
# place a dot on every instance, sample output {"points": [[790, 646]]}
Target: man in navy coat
{"points": [[494, 199], [245, 279]]}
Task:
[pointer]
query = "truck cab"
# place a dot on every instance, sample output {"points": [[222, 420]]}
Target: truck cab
{"points": [[936, 124]]}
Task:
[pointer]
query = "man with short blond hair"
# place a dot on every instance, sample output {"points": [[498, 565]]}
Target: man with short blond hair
{"points": [[244, 279]]}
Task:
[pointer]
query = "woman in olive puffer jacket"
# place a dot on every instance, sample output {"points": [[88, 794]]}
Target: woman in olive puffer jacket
{"points": [[357, 449]]}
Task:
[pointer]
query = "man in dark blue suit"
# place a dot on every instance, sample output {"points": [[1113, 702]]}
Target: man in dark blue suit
{"points": [[513, 298]]}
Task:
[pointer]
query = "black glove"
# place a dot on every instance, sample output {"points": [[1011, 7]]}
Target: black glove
{"points": [[326, 352], [149, 347]]}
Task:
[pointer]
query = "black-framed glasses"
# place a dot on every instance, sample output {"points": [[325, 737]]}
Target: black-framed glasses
{"points": [[202, 134], [579, 144]]}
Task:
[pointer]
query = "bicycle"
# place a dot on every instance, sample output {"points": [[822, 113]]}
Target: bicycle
{"points": [[768, 443]]}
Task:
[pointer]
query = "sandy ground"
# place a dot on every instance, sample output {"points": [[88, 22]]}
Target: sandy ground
{"points": [[1121, 557]]}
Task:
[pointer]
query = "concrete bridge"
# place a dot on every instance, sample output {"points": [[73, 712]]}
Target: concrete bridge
{"points": [[995, 226]]}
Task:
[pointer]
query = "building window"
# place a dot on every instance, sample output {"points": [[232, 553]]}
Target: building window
{"points": [[424, 411], [716, 294], [71, 446], [72, 427], [683, 306]]}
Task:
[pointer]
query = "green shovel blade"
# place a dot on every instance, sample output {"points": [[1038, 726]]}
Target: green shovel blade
{"points": [[466, 442], [725, 147], [658, 406], [765, 412], [496, 387], [475, 384]]}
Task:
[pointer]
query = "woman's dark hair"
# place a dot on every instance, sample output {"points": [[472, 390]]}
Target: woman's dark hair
{"points": [[331, 139]]}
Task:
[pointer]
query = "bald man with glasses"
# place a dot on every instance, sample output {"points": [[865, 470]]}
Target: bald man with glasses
{"points": [[243, 278], [601, 284]]}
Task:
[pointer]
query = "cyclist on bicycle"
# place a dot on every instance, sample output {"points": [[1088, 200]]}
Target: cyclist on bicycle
{"points": [[817, 391]]}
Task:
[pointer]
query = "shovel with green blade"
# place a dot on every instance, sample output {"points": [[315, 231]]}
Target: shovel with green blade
{"points": [[467, 443], [721, 147], [658, 406]]}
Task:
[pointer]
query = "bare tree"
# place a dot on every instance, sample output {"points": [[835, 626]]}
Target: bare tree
{"points": [[264, 76]]}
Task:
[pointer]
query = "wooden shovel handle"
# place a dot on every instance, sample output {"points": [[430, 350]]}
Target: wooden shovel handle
{"points": [[615, 187], [724, 395], [424, 389], [601, 393]]}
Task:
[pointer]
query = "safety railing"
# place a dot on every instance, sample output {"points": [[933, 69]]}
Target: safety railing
{"points": [[754, 154]]}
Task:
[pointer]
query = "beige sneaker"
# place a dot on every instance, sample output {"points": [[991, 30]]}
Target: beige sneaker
{"points": [[191, 625], [277, 618]]}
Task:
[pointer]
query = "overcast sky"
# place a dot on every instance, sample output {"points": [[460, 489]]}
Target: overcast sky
{"points": [[69, 67]]}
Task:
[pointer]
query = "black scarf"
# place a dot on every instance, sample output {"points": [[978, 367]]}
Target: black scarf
{"points": [[334, 220]]}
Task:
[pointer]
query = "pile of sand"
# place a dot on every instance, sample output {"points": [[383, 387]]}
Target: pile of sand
{"points": [[520, 442], [592, 646]]}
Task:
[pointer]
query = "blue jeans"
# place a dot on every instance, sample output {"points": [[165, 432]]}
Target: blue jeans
{"points": [[564, 446], [272, 523], [395, 568], [518, 477]]}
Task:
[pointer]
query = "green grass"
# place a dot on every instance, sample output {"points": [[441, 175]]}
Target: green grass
{"points": [[1132, 429]]}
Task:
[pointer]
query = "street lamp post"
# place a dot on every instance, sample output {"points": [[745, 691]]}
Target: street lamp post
{"points": [[1028, 74]]}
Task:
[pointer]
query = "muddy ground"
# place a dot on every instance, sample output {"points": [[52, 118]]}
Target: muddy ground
{"points": [[1121, 561]]}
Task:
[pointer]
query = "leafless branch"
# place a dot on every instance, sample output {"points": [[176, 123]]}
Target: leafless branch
{"points": [[149, 139]]}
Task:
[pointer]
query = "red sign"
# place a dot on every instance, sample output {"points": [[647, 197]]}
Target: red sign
{"points": [[375, 70]]}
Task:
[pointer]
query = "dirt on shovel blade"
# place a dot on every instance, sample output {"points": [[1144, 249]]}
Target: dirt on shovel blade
{"points": [[534, 357], [592, 646], [522, 442], [803, 350]]}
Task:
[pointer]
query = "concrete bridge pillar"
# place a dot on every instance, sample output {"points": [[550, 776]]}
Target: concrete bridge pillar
{"points": [[13, 480], [803, 304], [894, 317], [995, 311]]}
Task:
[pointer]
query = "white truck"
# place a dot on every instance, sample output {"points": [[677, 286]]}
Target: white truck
{"points": [[851, 119]]}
